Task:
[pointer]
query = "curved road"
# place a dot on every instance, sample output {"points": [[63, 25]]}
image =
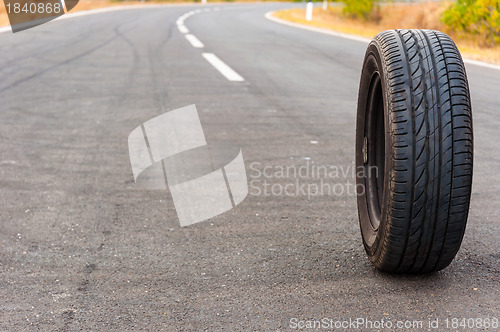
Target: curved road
{"points": [[84, 248]]}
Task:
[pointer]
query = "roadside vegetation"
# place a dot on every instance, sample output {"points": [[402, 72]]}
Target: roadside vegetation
{"points": [[474, 25]]}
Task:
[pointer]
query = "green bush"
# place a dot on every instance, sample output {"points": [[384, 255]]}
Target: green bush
{"points": [[478, 17], [359, 8]]}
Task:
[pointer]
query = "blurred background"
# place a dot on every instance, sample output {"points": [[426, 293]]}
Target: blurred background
{"points": [[473, 24]]}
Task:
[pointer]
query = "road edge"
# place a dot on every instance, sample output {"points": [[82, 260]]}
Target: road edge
{"points": [[108, 9], [269, 16]]}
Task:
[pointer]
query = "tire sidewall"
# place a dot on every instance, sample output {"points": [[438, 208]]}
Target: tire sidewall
{"points": [[372, 238]]}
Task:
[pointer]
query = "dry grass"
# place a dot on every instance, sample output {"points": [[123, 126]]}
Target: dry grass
{"points": [[395, 16]]}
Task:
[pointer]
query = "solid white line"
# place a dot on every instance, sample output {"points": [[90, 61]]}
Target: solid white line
{"points": [[194, 41], [106, 9], [482, 64], [269, 16], [224, 69]]}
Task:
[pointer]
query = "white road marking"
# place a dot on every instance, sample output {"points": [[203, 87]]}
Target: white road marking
{"points": [[482, 64], [105, 10], [182, 28], [224, 69], [269, 16], [194, 41]]}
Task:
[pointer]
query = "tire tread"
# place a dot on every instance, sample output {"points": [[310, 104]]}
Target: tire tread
{"points": [[432, 146]]}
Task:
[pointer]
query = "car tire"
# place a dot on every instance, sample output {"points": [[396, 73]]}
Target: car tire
{"points": [[414, 151]]}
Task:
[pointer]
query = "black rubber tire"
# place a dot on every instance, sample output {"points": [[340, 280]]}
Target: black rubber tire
{"points": [[413, 151]]}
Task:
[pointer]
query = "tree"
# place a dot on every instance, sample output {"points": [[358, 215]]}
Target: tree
{"points": [[480, 17], [359, 8]]}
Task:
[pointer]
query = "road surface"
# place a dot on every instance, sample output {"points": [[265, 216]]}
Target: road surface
{"points": [[84, 248]]}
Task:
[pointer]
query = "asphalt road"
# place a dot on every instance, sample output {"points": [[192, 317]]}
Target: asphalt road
{"points": [[82, 247]]}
